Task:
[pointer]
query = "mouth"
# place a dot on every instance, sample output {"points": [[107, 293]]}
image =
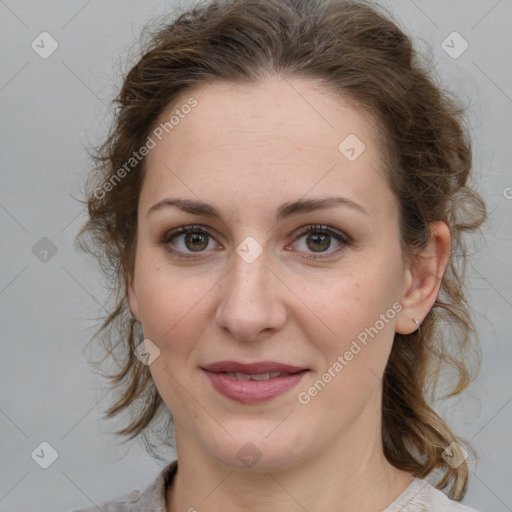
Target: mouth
{"points": [[255, 382], [256, 376]]}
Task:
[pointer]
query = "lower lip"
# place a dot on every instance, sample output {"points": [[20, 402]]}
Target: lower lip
{"points": [[253, 391]]}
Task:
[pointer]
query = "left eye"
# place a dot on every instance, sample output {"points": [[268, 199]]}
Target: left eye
{"points": [[319, 239]]}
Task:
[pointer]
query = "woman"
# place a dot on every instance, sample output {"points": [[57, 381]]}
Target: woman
{"points": [[281, 203]]}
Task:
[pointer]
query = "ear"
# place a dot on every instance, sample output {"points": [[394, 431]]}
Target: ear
{"points": [[423, 275], [131, 296]]}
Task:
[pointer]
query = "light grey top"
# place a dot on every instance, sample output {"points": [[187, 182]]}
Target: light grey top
{"points": [[420, 496]]}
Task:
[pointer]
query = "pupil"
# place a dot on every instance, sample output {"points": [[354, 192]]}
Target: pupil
{"points": [[195, 239], [318, 239]]}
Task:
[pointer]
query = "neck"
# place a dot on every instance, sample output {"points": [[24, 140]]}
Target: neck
{"points": [[351, 474]]}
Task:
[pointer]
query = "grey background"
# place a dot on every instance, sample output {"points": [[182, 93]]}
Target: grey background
{"points": [[54, 108]]}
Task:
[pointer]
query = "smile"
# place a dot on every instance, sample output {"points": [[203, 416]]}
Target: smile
{"points": [[257, 376], [253, 383]]}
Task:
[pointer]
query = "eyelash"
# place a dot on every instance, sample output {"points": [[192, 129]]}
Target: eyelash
{"points": [[344, 240]]}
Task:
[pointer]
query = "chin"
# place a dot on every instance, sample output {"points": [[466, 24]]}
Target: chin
{"points": [[259, 452]]}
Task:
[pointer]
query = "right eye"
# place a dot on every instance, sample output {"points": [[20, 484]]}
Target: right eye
{"points": [[188, 240]]}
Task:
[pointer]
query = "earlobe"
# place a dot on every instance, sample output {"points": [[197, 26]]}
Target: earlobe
{"points": [[131, 297], [423, 279]]}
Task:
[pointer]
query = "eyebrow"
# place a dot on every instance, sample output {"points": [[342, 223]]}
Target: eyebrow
{"points": [[285, 210]]}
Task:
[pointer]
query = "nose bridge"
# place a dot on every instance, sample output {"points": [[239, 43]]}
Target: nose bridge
{"points": [[248, 278], [249, 302]]}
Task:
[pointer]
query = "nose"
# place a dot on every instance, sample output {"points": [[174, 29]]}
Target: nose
{"points": [[252, 300]]}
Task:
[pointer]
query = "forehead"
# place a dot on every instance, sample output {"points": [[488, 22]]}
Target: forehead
{"points": [[277, 137], [296, 111]]}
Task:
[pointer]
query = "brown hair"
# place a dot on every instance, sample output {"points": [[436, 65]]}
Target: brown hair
{"points": [[355, 49]]}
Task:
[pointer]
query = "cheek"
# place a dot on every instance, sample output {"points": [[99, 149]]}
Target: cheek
{"points": [[347, 303], [353, 318], [171, 304], [352, 359], [173, 317]]}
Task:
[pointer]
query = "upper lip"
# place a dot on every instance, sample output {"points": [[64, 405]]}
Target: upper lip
{"points": [[252, 368]]}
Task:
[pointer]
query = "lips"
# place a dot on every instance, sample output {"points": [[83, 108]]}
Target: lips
{"points": [[255, 382], [252, 368]]}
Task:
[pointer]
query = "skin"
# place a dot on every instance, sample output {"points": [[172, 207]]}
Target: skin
{"points": [[247, 149]]}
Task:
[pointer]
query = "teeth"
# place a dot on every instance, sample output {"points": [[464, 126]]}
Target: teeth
{"points": [[256, 376], [260, 376]]}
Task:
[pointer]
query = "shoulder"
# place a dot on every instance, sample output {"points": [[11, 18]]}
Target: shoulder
{"points": [[152, 499], [421, 496], [121, 504]]}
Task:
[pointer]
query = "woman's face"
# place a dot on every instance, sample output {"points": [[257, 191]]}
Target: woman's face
{"points": [[314, 312]]}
